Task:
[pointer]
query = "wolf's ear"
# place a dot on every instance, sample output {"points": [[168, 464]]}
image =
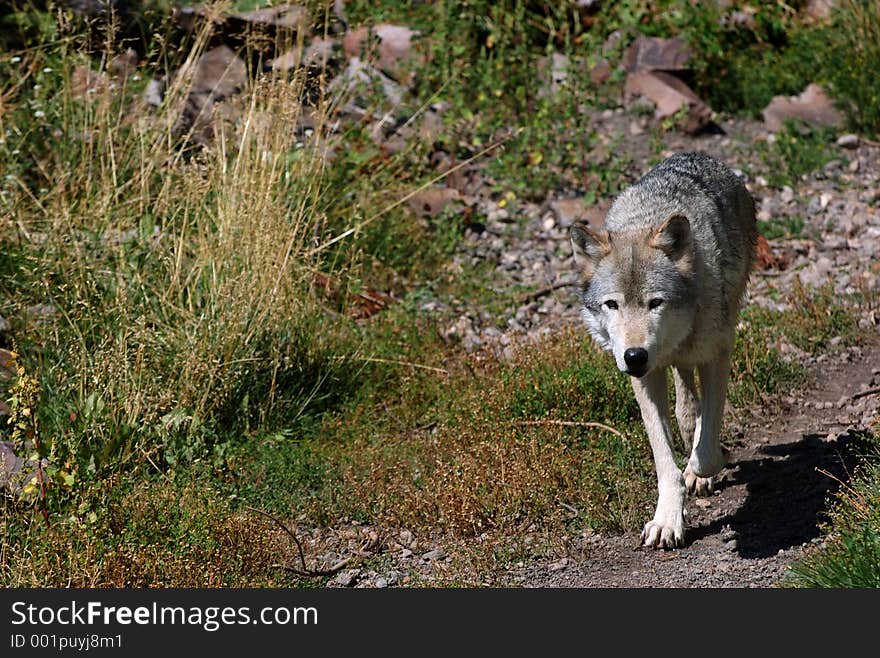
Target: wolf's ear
{"points": [[589, 247], [673, 237]]}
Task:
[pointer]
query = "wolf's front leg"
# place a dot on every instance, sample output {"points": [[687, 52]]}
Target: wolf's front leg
{"points": [[706, 458], [666, 529]]}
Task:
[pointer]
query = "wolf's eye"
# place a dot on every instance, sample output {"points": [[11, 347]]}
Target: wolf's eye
{"points": [[654, 303], [611, 304]]}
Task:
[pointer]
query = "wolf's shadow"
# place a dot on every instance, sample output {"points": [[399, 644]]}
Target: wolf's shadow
{"points": [[787, 497]]}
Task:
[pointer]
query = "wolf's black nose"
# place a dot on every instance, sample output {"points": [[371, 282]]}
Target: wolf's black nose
{"points": [[636, 359]]}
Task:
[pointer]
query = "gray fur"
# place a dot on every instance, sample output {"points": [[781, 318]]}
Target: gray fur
{"points": [[721, 216], [720, 210], [666, 278]]}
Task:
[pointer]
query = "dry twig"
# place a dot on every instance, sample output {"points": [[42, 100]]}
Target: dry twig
{"points": [[864, 394], [304, 571], [541, 292], [570, 423]]}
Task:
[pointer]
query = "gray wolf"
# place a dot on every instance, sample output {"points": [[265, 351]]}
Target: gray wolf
{"points": [[663, 284]]}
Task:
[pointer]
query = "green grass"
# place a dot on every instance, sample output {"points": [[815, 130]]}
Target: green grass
{"points": [[759, 370], [797, 150], [850, 557], [786, 227]]}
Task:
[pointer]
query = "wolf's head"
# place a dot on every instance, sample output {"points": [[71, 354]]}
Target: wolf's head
{"points": [[637, 291]]}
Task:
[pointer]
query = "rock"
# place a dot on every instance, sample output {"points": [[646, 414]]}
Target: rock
{"points": [[568, 211], [261, 29], [91, 7], [431, 201], [552, 74], [436, 554], [496, 214], [41, 311], [831, 166], [289, 17], [787, 194], [812, 106], [85, 82], [670, 95], [615, 40], [391, 51], [318, 54], [816, 274], [431, 126], [4, 325], [124, 64], [820, 9], [218, 74], [153, 93], [359, 74], [381, 582], [741, 20], [600, 72], [17, 472], [347, 578], [10, 464], [463, 330], [848, 141], [559, 565], [471, 342], [657, 54]]}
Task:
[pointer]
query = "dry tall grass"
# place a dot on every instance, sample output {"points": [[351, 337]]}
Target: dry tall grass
{"points": [[162, 296]]}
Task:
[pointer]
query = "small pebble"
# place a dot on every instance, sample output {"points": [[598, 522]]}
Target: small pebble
{"points": [[848, 141]]}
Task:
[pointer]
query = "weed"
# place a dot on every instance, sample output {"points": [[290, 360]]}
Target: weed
{"points": [[850, 57], [851, 554], [785, 227], [795, 151], [758, 370]]}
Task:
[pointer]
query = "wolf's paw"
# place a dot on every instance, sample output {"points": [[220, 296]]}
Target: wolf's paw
{"points": [[664, 534], [704, 466], [696, 485]]}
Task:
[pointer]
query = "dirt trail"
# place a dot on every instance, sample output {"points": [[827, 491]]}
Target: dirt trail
{"points": [[767, 506]]}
